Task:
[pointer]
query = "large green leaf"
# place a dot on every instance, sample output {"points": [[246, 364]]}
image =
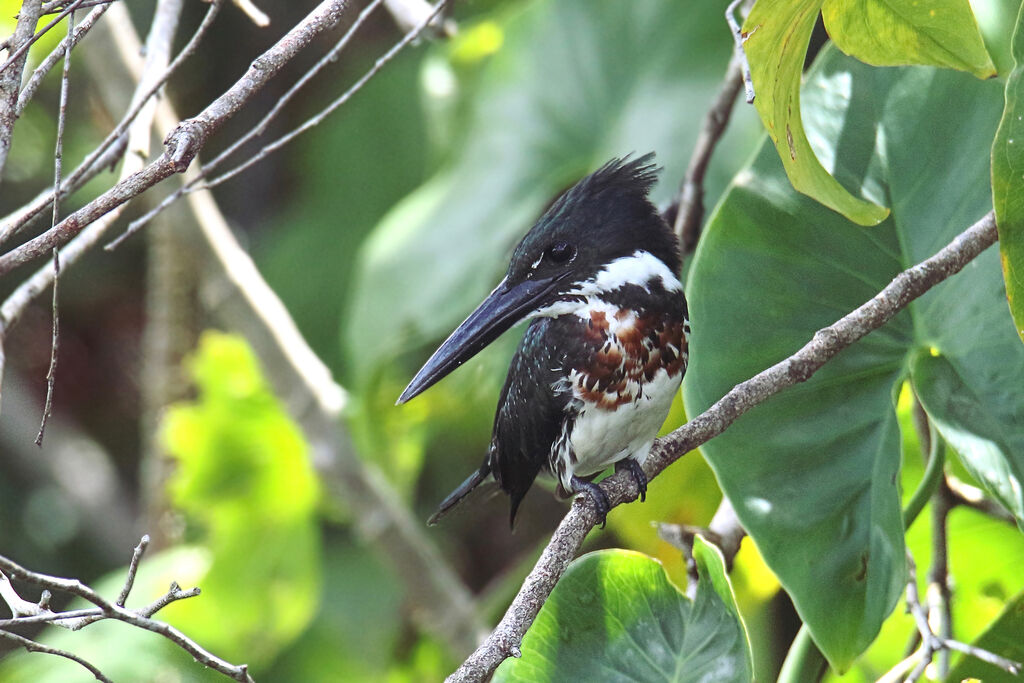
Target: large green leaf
{"points": [[1008, 180], [615, 616], [777, 34], [574, 83], [897, 32], [813, 472]]}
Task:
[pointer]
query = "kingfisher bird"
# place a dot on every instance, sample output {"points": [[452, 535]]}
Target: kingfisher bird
{"points": [[606, 349]]}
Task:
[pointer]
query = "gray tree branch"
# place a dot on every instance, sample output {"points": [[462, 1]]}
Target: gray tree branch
{"points": [[10, 78], [183, 143], [25, 612], [505, 640]]}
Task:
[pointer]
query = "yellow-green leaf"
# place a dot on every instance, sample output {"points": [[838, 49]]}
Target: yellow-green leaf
{"points": [[1008, 181], [245, 483], [777, 34], [898, 32]]}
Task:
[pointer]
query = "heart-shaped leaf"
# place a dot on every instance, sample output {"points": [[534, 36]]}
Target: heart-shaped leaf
{"points": [[615, 616], [813, 473]]}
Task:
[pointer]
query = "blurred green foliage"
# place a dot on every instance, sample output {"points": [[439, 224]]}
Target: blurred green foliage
{"points": [[245, 484]]}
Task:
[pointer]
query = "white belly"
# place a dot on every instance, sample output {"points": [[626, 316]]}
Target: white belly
{"points": [[600, 437]]}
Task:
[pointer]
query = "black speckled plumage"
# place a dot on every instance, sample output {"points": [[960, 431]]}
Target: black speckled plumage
{"points": [[530, 410]]}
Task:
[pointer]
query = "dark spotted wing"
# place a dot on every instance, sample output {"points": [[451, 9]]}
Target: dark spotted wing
{"points": [[531, 409]]}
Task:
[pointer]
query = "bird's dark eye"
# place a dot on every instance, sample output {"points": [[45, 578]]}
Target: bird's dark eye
{"points": [[560, 252]]}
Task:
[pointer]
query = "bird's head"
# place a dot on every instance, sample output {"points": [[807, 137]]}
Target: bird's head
{"points": [[601, 234]]}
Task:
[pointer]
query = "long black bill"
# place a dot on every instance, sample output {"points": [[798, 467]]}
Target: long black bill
{"points": [[502, 309]]}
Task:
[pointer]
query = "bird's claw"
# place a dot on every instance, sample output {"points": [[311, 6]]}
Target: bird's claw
{"points": [[599, 498], [637, 472]]}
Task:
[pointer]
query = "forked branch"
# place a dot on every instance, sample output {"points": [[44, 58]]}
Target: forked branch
{"points": [[26, 612]]}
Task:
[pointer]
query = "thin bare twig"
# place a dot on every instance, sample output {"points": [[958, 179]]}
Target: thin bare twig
{"points": [[26, 215], [724, 531], [738, 39], [58, 170], [36, 79], [23, 48], [932, 643], [57, 5], [257, 130], [255, 14], [133, 568], [315, 120], [184, 143], [973, 497], [9, 228], [619, 488], [10, 79], [51, 373], [33, 646], [690, 200], [939, 593], [111, 610]]}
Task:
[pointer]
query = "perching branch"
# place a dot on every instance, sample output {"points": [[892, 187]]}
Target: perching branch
{"points": [[505, 640], [27, 612]]}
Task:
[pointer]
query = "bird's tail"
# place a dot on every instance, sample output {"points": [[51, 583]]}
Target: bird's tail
{"points": [[463, 490]]}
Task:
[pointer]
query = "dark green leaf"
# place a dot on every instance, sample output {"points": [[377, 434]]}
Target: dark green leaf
{"points": [[813, 473], [976, 406], [615, 616]]}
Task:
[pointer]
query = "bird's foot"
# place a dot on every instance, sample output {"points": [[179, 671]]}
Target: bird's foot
{"points": [[637, 473], [601, 502]]}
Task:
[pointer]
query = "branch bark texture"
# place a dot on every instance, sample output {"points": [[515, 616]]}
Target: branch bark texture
{"points": [[10, 78], [505, 640], [185, 141]]}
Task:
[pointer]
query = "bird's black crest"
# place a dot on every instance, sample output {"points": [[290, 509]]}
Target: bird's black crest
{"points": [[607, 210], [623, 175], [619, 179]]}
